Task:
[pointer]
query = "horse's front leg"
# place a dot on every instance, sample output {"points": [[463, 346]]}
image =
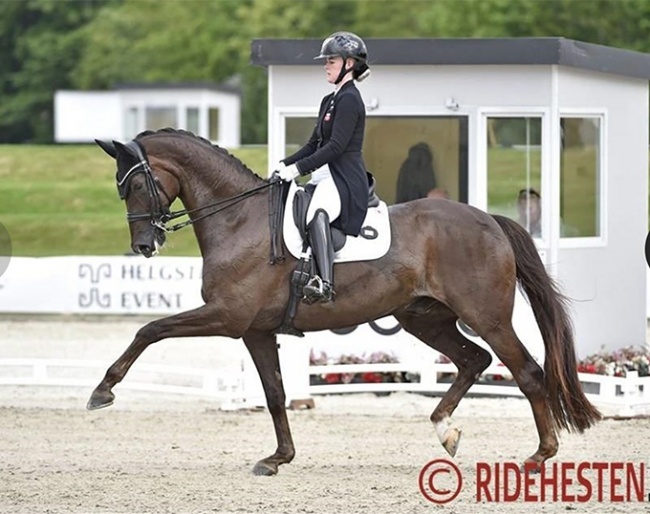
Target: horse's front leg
{"points": [[264, 351], [197, 322]]}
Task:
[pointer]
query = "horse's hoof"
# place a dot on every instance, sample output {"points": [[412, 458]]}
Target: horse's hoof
{"points": [[531, 466], [265, 469], [452, 439], [100, 399]]}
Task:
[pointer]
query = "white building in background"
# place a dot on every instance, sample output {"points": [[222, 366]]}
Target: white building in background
{"points": [[502, 116], [207, 110]]}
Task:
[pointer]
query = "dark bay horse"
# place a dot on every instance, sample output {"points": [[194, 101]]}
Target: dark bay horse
{"points": [[447, 261]]}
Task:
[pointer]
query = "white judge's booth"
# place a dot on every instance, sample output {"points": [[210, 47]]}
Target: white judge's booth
{"points": [[564, 118]]}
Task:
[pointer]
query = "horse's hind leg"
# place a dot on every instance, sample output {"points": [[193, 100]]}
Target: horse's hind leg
{"points": [[197, 322], [470, 359], [530, 379], [264, 351]]}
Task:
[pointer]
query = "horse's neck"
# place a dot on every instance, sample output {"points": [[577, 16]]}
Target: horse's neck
{"points": [[214, 179]]}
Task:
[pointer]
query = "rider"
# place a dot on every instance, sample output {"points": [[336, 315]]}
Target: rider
{"points": [[333, 157]]}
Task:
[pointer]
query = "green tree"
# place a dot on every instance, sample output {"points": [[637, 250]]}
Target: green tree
{"points": [[47, 45], [150, 40], [282, 19], [39, 46]]}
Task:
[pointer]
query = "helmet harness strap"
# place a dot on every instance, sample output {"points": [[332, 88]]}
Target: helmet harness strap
{"points": [[344, 71]]}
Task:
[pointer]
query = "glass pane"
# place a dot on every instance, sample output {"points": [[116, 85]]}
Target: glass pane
{"points": [[192, 117], [410, 157], [131, 123], [415, 157], [580, 177], [213, 124], [160, 117], [298, 131], [514, 163]]}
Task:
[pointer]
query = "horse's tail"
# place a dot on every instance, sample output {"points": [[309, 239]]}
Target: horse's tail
{"points": [[569, 406]]}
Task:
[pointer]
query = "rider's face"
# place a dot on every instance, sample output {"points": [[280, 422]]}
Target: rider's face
{"points": [[333, 68]]}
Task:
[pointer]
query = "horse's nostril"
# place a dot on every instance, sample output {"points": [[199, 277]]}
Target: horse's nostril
{"points": [[144, 250]]}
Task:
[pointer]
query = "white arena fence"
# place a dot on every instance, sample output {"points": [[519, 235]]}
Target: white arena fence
{"points": [[240, 388], [143, 377], [167, 285]]}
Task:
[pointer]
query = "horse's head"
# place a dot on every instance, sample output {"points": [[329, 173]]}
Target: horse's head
{"points": [[145, 192]]}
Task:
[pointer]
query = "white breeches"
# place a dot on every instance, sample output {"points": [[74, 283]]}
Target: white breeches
{"points": [[326, 196]]}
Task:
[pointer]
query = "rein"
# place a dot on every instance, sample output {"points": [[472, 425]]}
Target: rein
{"points": [[160, 217], [229, 202]]}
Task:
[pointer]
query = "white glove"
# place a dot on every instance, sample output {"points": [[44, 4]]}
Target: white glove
{"points": [[288, 173], [281, 165]]}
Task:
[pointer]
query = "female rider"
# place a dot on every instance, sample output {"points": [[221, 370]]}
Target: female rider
{"points": [[333, 157]]}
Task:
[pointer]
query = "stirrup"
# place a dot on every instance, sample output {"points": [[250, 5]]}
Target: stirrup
{"points": [[317, 290]]}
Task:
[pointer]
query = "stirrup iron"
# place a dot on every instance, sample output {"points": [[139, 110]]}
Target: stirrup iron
{"points": [[317, 290]]}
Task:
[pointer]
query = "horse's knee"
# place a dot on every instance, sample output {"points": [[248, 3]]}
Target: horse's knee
{"points": [[149, 333]]}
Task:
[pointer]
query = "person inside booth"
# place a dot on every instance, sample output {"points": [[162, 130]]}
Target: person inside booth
{"points": [[529, 211]]}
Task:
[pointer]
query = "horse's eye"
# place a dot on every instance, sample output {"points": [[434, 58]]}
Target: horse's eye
{"points": [[137, 186]]}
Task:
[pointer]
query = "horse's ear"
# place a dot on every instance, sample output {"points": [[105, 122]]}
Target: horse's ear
{"points": [[109, 148], [126, 149]]}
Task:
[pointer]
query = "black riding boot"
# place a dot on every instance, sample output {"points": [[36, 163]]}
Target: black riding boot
{"points": [[321, 288]]}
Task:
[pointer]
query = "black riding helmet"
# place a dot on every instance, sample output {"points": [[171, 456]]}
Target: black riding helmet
{"points": [[346, 45]]}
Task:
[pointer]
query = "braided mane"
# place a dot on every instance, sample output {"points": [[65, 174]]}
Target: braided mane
{"points": [[185, 133]]}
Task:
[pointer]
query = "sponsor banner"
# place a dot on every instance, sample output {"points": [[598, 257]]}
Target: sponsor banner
{"points": [[101, 285]]}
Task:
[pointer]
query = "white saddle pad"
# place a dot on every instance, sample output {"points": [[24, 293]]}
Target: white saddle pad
{"points": [[356, 248]]}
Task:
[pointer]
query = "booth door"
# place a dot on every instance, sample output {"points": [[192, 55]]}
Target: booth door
{"points": [[410, 156]]}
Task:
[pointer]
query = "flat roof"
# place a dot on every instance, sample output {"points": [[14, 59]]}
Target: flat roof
{"points": [[467, 51], [205, 86]]}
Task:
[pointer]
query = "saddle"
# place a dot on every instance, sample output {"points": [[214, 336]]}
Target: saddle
{"points": [[301, 202], [295, 237]]}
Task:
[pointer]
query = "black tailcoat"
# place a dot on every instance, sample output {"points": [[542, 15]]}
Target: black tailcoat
{"points": [[337, 140]]}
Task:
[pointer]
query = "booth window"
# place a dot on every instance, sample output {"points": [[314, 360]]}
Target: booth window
{"points": [[580, 195], [297, 132], [411, 157], [160, 117], [213, 124], [514, 163], [192, 120], [131, 122]]}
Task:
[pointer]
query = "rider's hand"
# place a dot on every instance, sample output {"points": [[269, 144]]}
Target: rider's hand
{"points": [[288, 173]]}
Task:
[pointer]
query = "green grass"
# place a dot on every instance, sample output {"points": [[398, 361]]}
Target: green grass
{"points": [[62, 200]]}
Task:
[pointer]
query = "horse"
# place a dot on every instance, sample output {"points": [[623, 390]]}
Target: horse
{"points": [[447, 261]]}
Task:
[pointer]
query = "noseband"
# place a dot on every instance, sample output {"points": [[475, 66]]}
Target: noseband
{"points": [[160, 215]]}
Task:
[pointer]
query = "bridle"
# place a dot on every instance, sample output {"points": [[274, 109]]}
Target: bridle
{"points": [[159, 215]]}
